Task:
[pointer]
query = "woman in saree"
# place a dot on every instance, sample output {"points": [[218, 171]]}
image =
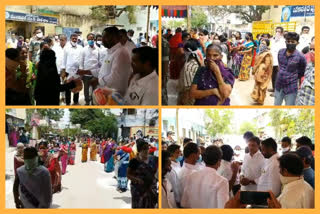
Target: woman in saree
{"points": [[108, 157], [84, 157], [142, 173], [102, 148], [18, 157], [192, 63], [236, 57], [55, 171], [212, 84], [176, 57], [14, 136], [123, 154], [262, 72], [72, 157], [247, 52], [64, 156], [93, 151]]}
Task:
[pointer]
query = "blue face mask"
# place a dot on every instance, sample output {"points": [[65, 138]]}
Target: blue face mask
{"points": [[90, 42], [179, 159], [200, 159]]}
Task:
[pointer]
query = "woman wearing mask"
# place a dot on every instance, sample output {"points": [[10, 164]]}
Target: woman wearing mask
{"points": [[262, 72], [48, 86], [236, 57], [55, 171], [18, 157], [64, 157], [192, 64], [247, 52], [93, 151], [72, 157], [84, 146], [142, 171]]}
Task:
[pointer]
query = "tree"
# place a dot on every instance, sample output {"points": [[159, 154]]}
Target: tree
{"points": [[105, 13], [248, 126], [48, 114], [247, 13], [174, 24], [83, 116], [198, 18], [219, 121]]}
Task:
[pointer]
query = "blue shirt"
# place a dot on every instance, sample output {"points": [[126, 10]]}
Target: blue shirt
{"points": [[308, 175]]}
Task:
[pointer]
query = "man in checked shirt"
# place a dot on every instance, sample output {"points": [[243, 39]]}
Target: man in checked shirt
{"points": [[292, 65]]}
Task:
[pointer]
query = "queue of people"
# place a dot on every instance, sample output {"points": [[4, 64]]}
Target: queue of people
{"points": [[206, 66], [210, 177], [48, 70]]}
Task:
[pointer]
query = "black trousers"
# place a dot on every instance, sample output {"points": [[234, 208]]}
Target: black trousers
{"points": [[274, 76], [68, 97]]}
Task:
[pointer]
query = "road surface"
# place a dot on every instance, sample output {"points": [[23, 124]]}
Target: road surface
{"points": [[85, 185], [240, 95]]}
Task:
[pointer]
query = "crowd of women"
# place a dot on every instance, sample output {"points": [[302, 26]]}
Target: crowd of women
{"points": [[207, 66], [133, 160]]}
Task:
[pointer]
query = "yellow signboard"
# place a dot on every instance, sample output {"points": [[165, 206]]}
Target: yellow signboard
{"points": [[151, 131], [262, 27]]}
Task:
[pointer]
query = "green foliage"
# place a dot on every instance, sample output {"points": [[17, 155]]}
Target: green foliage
{"points": [[198, 18], [98, 121], [292, 122], [105, 13], [219, 121], [247, 13], [50, 114], [174, 24], [248, 126], [72, 132], [131, 10]]}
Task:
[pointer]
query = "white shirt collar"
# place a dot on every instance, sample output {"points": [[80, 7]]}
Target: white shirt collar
{"points": [[146, 79], [114, 48]]}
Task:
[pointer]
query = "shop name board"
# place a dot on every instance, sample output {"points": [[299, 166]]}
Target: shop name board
{"points": [[302, 10], [24, 17]]}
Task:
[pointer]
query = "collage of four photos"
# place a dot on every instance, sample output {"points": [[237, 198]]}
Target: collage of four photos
{"points": [[101, 106]]}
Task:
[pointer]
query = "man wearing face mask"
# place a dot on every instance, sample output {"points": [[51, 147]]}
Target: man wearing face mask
{"points": [[32, 185], [173, 176], [277, 43], [292, 65], [89, 63], [12, 42], [124, 40], [270, 177], [305, 38], [70, 66], [286, 145], [206, 188], [35, 42], [296, 192], [79, 39]]}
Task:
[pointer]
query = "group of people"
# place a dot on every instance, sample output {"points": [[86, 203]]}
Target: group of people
{"points": [[200, 177], [132, 159], [206, 65], [38, 171], [109, 67]]}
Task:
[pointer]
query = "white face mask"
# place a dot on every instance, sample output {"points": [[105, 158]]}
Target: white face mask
{"points": [[99, 42], [40, 35], [73, 44], [285, 180], [286, 149]]}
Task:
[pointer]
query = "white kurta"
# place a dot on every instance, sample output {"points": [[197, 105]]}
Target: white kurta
{"points": [[71, 60], [225, 170], [168, 200], [276, 46], [173, 177], [187, 169], [205, 189], [251, 168], [297, 194], [270, 176], [143, 91], [90, 59], [59, 51], [116, 69], [130, 46]]}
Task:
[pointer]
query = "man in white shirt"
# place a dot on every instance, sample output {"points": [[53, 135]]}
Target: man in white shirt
{"points": [[228, 169], [12, 42], [252, 166], [173, 175], [191, 153], [270, 175], [206, 188], [296, 192], [103, 50], [116, 68], [277, 43], [143, 86], [167, 196], [305, 38], [89, 62], [70, 65], [124, 40], [59, 51]]}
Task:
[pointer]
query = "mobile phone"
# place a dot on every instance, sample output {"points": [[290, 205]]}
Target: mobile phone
{"points": [[254, 197]]}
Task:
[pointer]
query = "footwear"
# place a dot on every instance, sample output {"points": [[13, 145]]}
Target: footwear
{"points": [[75, 104], [270, 90]]}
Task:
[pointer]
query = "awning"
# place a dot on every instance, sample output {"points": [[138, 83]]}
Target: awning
{"points": [[174, 11], [26, 17]]}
